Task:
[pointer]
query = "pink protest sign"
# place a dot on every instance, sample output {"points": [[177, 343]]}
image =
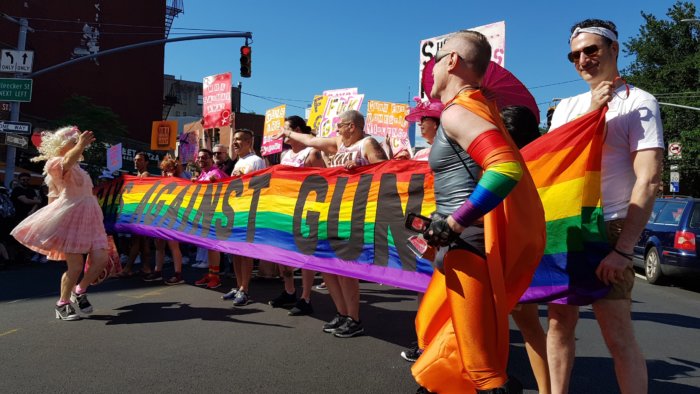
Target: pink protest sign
{"points": [[114, 157], [216, 104]]}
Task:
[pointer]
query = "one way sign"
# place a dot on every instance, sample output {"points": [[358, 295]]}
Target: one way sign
{"points": [[16, 61]]}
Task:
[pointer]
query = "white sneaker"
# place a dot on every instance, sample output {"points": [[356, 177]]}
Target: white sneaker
{"points": [[201, 264]]}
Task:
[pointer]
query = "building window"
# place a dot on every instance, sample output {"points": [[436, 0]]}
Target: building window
{"points": [[184, 113], [177, 113]]}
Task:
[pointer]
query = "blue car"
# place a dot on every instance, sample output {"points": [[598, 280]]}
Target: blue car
{"points": [[668, 245]]}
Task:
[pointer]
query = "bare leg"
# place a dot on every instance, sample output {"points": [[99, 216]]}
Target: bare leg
{"points": [[98, 262], [615, 321], [351, 293], [177, 255], [160, 254], [246, 272], [307, 281], [561, 345], [288, 277], [333, 285], [528, 321], [145, 254], [70, 277], [237, 270]]}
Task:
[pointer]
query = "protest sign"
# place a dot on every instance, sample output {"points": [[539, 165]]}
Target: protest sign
{"points": [[164, 135], [114, 157], [274, 123], [216, 104]]}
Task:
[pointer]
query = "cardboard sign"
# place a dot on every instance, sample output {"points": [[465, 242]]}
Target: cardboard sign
{"points": [[216, 104], [114, 157], [274, 123], [386, 119], [164, 135], [494, 32], [339, 101], [318, 107]]}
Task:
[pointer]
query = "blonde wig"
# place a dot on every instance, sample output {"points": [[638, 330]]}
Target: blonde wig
{"points": [[53, 141]]}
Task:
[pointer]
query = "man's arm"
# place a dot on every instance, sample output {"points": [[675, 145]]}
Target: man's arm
{"points": [[374, 151], [329, 145], [314, 159], [647, 168]]}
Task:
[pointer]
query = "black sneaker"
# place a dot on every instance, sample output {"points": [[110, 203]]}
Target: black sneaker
{"points": [[153, 277], [82, 301], [301, 308], [334, 324], [284, 299], [349, 329], [66, 312], [411, 354]]}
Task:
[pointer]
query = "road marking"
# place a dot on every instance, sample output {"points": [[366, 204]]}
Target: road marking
{"points": [[144, 295], [9, 332], [640, 276]]}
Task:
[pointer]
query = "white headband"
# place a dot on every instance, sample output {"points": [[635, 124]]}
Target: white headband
{"points": [[601, 31]]}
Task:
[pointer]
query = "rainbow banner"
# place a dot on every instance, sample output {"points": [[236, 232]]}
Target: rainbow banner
{"points": [[330, 220], [565, 165]]}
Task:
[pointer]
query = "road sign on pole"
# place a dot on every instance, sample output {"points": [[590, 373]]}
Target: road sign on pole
{"points": [[15, 127], [12, 61], [19, 141], [16, 89]]}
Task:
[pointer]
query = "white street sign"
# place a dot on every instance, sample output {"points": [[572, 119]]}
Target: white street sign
{"points": [[674, 150], [19, 141], [16, 61], [15, 127], [675, 177]]}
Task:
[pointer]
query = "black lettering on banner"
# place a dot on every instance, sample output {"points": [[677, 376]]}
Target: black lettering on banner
{"points": [[174, 209], [158, 203], [205, 212], [113, 199], [311, 184], [190, 207], [256, 183], [223, 231], [127, 190], [143, 204], [349, 249], [390, 217]]}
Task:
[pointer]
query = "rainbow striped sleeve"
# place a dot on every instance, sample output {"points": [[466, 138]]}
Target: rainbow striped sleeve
{"points": [[502, 171]]}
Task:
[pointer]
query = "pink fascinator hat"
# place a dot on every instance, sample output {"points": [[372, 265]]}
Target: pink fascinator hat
{"points": [[424, 108]]}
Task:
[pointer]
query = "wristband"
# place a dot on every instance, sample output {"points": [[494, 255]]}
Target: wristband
{"points": [[628, 256]]}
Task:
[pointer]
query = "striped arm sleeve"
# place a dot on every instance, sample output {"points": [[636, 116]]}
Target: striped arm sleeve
{"points": [[502, 171]]}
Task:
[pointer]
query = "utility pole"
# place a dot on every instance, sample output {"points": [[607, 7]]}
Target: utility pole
{"points": [[14, 106]]}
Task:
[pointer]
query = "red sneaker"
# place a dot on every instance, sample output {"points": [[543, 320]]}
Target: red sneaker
{"points": [[204, 281], [214, 282]]}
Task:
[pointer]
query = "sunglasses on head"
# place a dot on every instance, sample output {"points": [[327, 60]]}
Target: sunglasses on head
{"points": [[589, 51]]}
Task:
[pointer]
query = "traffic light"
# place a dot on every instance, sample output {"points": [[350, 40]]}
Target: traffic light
{"points": [[246, 53]]}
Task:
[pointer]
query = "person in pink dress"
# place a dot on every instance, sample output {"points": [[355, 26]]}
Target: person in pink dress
{"points": [[71, 225]]}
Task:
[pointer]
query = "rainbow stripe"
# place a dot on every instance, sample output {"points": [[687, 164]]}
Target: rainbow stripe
{"points": [[565, 166], [330, 220]]}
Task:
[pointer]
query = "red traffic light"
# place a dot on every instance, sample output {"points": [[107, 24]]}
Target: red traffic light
{"points": [[246, 63], [245, 50]]}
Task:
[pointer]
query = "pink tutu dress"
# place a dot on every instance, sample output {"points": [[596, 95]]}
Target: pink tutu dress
{"points": [[72, 223]]}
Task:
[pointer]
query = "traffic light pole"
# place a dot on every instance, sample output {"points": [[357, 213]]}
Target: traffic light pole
{"points": [[14, 106]]}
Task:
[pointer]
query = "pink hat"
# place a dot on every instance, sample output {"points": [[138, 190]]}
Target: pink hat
{"points": [[424, 108]]}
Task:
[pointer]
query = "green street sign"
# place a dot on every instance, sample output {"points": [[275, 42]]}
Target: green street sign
{"points": [[16, 89]]}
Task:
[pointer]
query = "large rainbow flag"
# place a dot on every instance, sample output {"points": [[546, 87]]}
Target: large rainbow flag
{"points": [[565, 165], [330, 220]]}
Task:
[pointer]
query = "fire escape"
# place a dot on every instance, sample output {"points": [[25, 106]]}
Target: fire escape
{"points": [[172, 10]]}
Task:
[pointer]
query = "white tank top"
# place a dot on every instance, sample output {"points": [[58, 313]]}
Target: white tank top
{"points": [[289, 158], [346, 154]]}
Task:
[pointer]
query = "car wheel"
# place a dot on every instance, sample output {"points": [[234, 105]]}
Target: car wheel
{"points": [[652, 266]]}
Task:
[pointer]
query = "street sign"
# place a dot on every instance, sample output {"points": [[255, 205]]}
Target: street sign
{"points": [[13, 61], [16, 89], [674, 187], [675, 177], [674, 150], [5, 107], [15, 127], [19, 141]]}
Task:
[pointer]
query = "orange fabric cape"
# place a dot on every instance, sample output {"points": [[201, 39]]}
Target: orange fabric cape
{"points": [[514, 240]]}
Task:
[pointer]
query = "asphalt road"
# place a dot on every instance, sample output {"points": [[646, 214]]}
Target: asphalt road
{"points": [[153, 338]]}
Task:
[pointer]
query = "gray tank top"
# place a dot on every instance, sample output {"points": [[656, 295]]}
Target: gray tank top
{"points": [[453, 184]]}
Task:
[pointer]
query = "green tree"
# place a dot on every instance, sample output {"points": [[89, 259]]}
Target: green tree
{"points": [[108, 128], [667, 64]]}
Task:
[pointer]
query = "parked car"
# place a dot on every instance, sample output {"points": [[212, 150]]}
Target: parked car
{"points": [[668, 245]]}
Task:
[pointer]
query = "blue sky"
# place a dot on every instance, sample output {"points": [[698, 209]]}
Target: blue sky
{"points": [[301, 48]]}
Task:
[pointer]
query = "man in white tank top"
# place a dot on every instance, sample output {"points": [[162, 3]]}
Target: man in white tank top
{"points": [[298, 156], [350, 148]]}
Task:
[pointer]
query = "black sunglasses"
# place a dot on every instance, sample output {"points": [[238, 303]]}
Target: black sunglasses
{"points": [[589, 51]]}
